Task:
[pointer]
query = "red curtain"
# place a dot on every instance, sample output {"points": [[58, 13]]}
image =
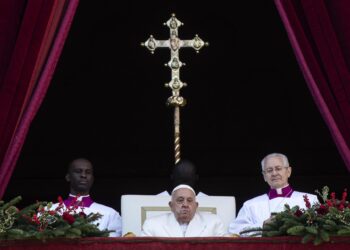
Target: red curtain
{"points": [[32, 34], [319, 31]]}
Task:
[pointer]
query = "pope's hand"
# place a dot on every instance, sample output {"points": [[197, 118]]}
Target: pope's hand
{"points": [[129, 234]]}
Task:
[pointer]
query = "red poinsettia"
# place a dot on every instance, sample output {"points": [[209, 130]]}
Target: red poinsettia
{"points": [[35, 219], [298, 213], [344, 195], [339, 204], [68, 217], [82, 215], [322, 210], [329, 203]]}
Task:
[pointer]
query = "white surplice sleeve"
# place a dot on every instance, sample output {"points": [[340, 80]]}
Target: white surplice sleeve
{"points": [[244, 220]]}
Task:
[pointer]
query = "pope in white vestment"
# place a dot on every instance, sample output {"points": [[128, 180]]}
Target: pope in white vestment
{"points": [[166, 225], [184, 220]]}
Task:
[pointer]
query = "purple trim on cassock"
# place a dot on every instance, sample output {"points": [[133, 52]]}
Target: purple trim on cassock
{"points": [[286, 192], [85, 201]]}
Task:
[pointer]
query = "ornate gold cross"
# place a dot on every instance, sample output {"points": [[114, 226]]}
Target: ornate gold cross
{"points": [[174, 44]]}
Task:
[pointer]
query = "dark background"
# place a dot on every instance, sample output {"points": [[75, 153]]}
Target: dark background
{"points": [[246, 98]]}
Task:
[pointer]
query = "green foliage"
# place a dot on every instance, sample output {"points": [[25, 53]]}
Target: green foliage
{"points": [[296, 230], [317, 223], [41, 221]]}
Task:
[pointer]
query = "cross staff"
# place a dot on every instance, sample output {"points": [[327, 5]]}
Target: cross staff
{"points": [[174, 44]]}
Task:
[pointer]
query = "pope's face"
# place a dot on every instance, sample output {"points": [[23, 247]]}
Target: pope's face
{"points": [[275, 173], [80, 176], [183, 204]]}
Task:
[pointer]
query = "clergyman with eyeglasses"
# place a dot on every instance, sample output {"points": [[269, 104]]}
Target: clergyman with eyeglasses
{"points": [[184, 220], [260, 210]]}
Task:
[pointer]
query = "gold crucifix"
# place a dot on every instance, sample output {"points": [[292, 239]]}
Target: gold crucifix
{"points": [[174, 44]]}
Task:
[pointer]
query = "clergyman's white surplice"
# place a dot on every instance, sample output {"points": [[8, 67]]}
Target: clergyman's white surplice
{"points": [[110, 219], [255, 211]]}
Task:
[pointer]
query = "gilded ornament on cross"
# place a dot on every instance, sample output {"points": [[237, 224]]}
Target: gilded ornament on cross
{"points": [[174, 43]]}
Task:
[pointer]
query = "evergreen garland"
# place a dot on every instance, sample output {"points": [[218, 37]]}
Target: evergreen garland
{"points": [[39, 221], [317, 223]]}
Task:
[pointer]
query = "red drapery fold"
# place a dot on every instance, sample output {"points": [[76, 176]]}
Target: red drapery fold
{"points": [[32, 37], [319, 31]]}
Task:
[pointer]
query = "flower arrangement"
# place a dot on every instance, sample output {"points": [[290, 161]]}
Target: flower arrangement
{"points": [[44, 220], [316, 223]]}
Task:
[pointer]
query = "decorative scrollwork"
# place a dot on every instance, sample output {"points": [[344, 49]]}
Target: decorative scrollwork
{"points": [[176, 101], [174, 43], [7, 218]]}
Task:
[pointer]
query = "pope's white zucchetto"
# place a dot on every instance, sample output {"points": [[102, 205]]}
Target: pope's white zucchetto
{"points": [[183, 186]]}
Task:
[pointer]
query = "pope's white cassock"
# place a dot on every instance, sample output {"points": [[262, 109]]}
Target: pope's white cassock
{"points": [[255, 211], [201, 225], [110, 219]]}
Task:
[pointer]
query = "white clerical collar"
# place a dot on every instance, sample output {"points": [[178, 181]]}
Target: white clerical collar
{"points": [[285, 192], [80, 197], [280, 190], [83, 201]]}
